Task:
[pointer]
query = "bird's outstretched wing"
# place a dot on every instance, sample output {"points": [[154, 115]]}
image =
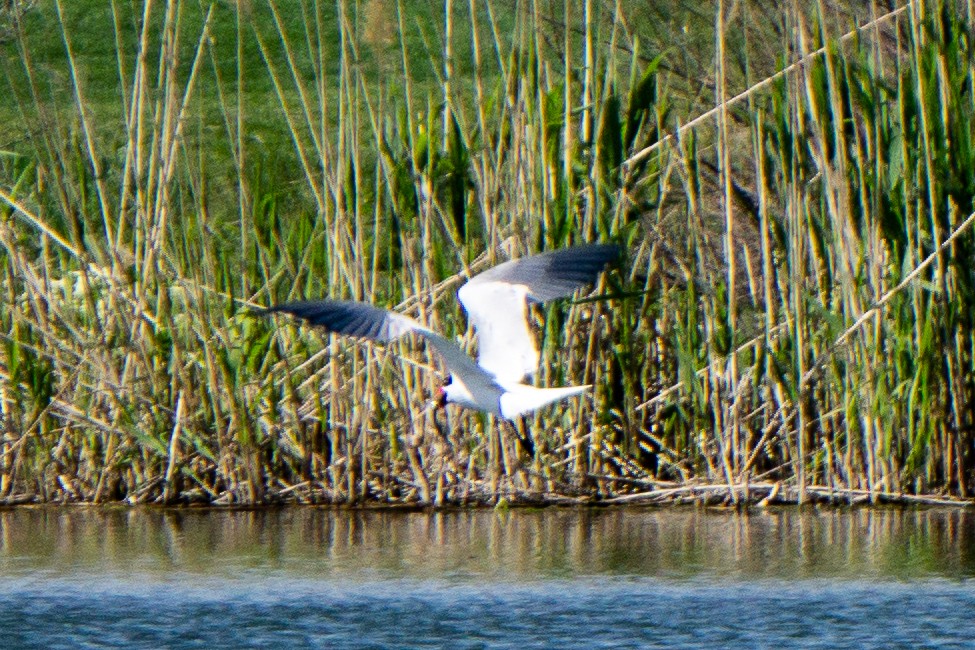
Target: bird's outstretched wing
{"points": [[349, 317], [497, 303], [363, 320]]}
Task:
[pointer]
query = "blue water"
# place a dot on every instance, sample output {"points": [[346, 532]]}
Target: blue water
{"points": [[552, 579], [587, 612]]}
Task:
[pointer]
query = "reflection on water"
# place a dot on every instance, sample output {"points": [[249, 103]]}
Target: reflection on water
{"points": [[303, 577], [514, 545]]}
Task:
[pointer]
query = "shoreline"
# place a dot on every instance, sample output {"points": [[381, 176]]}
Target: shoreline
{"points": [[751, 495]]}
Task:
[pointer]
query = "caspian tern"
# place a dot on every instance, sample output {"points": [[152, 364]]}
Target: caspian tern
{"points": [[496, 302]]}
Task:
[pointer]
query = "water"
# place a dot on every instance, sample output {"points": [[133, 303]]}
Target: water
{"points": [[312, 578]]}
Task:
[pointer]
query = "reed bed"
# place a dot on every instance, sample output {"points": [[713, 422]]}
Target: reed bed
{"points": [[793, 188]]}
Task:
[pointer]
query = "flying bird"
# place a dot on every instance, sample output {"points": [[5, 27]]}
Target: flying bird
{"points": [[496, 302]]}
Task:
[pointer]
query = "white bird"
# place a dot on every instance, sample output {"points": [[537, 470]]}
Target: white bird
{"points": [[496, 301]]}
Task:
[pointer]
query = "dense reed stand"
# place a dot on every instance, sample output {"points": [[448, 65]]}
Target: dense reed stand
{"points": [[794, 188]]}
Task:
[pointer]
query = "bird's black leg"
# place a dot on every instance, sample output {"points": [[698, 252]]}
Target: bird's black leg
{"points": [[521, 432]]}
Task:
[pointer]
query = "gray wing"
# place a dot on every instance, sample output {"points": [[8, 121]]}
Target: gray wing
{"points": [[362, 320], [497, 303], [554, 274], [481, 385], [349, 317]]}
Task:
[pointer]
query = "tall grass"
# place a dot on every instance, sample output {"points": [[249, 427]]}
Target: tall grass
{"points": [[793, 192]]}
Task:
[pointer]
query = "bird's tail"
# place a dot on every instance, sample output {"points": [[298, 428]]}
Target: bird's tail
{"points": [[522, 399]]}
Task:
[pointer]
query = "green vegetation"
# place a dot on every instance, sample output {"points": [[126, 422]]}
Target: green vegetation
{"points": [[794, 193]]}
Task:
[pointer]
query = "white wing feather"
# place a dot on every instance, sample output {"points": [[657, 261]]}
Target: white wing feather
{"points": [[497, 303], [499, 312]]}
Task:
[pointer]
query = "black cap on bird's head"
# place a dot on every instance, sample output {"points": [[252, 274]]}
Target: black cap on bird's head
{"points": [[440, 398]]}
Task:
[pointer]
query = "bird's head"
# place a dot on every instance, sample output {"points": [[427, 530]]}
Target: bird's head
{"points": [[440, 399]]}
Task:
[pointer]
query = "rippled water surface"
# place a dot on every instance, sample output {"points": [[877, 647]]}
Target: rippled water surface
{"points": [[529, 579]]}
